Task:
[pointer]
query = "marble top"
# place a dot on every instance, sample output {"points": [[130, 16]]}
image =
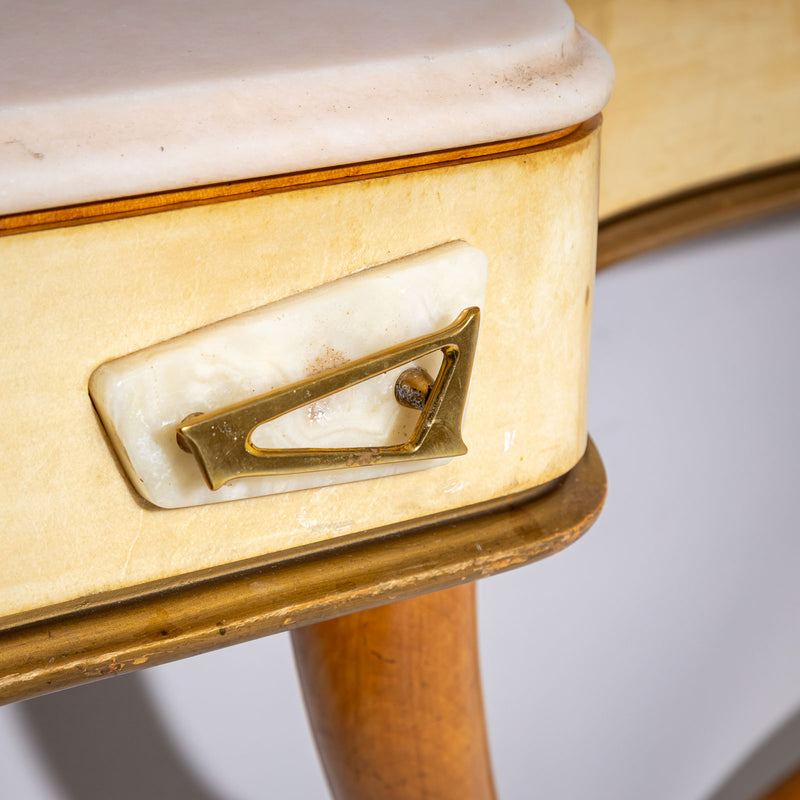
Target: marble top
{"points": [[111, 98]]}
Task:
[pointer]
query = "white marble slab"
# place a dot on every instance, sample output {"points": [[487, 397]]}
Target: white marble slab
{"points": [[103, 99], [142, 397]]}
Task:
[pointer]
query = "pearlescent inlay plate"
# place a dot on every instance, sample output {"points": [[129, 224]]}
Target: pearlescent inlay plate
{"points": [[142, 397]]}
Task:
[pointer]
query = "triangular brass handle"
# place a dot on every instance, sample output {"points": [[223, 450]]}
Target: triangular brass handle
{"points": [[221, 441]]}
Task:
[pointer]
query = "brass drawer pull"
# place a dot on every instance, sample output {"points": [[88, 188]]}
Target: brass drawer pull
{"points": [[221, 441], [335, 353]]}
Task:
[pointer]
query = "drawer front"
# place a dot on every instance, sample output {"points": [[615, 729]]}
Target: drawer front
{"points": [[76, 297]]}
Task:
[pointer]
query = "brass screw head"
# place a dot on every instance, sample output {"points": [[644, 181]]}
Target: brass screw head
{"points": [[412, 388]]}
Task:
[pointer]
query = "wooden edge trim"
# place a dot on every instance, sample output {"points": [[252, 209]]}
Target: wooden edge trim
{"points": [[297, 588], [99, 211], [688, 214]]}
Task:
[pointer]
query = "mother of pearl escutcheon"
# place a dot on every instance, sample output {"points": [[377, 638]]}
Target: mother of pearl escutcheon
{"points": [[268, 382]]}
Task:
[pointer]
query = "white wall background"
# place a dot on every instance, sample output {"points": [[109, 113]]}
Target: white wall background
{"points": [[657, 658]]}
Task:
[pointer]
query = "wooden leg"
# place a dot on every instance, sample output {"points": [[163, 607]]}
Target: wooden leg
{"points": [[789, 789], [394, 699]]}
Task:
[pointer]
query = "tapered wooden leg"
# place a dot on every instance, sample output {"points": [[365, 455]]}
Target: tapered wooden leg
{"points": [[395, 703]]}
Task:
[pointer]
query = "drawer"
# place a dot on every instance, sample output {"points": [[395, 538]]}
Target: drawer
{"points": [[79, 296]]}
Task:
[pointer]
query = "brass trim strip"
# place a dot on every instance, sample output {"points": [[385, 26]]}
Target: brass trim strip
{"points": [[696, 212], [153, 624], [102, 210]]}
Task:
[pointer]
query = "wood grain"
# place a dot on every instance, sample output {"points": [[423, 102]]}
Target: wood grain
{"points": [[394, 699]]}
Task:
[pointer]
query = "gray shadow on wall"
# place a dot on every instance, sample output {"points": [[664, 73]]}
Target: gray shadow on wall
{"points": [[770, 763], [106, 740]]}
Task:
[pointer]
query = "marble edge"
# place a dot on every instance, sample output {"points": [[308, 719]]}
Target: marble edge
{"points": [[88, 149]]}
